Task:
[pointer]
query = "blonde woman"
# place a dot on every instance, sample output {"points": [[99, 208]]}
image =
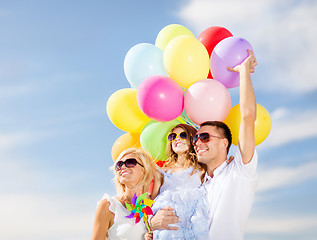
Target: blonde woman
{"points": [[135, 172]]}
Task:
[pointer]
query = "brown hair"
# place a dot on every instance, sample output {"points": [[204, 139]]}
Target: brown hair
{"points": [[191, 157], [149, 170]]}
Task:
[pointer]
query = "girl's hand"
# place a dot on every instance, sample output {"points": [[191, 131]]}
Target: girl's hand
{"points": [[148, 236]]}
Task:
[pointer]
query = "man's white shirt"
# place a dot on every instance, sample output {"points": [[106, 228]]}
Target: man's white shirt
{"points": [[230, 196]]}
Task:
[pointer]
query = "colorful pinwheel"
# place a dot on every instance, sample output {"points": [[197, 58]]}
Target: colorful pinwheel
{"points": [[140, 207]]}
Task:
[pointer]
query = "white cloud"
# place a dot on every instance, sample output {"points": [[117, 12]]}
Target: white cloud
{"points": [[283, 35], [279, 113], [25, 216], [286, 176], [290, 126], [17, 90], [28, 76], [13, 70], [41, 203], [14, 79], [282, 225], [11, 141], [201, 14]]}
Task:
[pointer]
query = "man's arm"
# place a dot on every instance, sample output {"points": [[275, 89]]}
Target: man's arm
{"points": [[247, 108], [163, 218]]}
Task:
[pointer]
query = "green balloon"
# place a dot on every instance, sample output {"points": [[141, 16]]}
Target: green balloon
{"points": [[153, 138]]}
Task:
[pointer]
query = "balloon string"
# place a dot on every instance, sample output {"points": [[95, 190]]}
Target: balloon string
{"points": [[188, 121]]}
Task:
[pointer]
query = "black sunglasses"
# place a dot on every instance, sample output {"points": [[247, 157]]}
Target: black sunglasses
{"points": [[129, 163], [172, 136], [204, 137]]}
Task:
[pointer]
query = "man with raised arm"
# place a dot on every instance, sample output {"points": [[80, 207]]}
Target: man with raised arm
{"points": [[230, 187]]}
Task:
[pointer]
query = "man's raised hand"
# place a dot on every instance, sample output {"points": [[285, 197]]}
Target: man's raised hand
{"points": [[248, 64]]}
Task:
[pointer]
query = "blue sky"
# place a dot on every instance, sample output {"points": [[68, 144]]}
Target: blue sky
{"points": [[61, 60]]}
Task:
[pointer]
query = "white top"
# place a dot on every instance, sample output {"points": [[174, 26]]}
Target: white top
{"points": [[123, 228], [182, 191], [230, 195]]}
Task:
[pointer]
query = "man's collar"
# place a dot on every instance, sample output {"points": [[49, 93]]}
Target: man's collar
{"points": [[215, 172]]}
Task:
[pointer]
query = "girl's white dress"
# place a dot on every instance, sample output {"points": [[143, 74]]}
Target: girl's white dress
{"points": [[123, 228], [182, 191]]}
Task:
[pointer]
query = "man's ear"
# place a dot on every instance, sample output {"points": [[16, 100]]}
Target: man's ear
{"points": [[226, 142]]}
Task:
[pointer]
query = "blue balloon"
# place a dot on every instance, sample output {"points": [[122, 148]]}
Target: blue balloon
{"points": [[142, 61]]}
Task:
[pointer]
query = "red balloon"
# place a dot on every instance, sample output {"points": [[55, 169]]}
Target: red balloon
{"points": [[211, 37], [210, 75]]}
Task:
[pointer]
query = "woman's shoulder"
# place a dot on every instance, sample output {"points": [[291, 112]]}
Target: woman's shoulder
{"points": [[108, 203], [104, 203], [104, 219], [106, 198], [104, 207]]}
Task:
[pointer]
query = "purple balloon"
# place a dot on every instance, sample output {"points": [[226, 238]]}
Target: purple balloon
{"points": [[160, 98], [229, 52]]}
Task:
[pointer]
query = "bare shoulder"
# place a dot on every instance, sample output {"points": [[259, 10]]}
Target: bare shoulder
{"points": [[103, 220], [103, 208], [104, 203]]}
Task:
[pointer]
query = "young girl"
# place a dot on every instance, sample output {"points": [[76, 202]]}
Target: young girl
{"points": [[182, 179]]}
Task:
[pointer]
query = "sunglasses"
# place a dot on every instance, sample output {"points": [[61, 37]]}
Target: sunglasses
{"points": [[129, 163], [172, 136], [204, 137]]}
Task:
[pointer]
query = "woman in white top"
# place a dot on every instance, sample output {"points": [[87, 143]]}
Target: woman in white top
{"points": [[135, 172]]}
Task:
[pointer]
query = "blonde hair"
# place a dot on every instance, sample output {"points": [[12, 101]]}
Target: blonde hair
{"points": [[191, 157], [149, 170]]}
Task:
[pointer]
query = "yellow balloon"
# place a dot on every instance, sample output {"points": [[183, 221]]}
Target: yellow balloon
{"points": [[233, 121], [263, 123], [125, 141], [186, 60], [169, 32], [124, 112]]}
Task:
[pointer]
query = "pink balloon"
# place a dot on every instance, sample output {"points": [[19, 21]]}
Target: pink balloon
{"points": [[207, 100], [160, 98], [229, 52]]}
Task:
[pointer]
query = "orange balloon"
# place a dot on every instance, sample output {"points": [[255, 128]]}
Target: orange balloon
{"points": [[262, 124], [125, 141]]}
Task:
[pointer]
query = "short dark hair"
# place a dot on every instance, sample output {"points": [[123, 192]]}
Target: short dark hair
{"points": [[225, 131]]}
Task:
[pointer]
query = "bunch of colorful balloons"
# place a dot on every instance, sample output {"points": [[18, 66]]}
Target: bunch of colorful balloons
{"points": [[180, 79]]}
